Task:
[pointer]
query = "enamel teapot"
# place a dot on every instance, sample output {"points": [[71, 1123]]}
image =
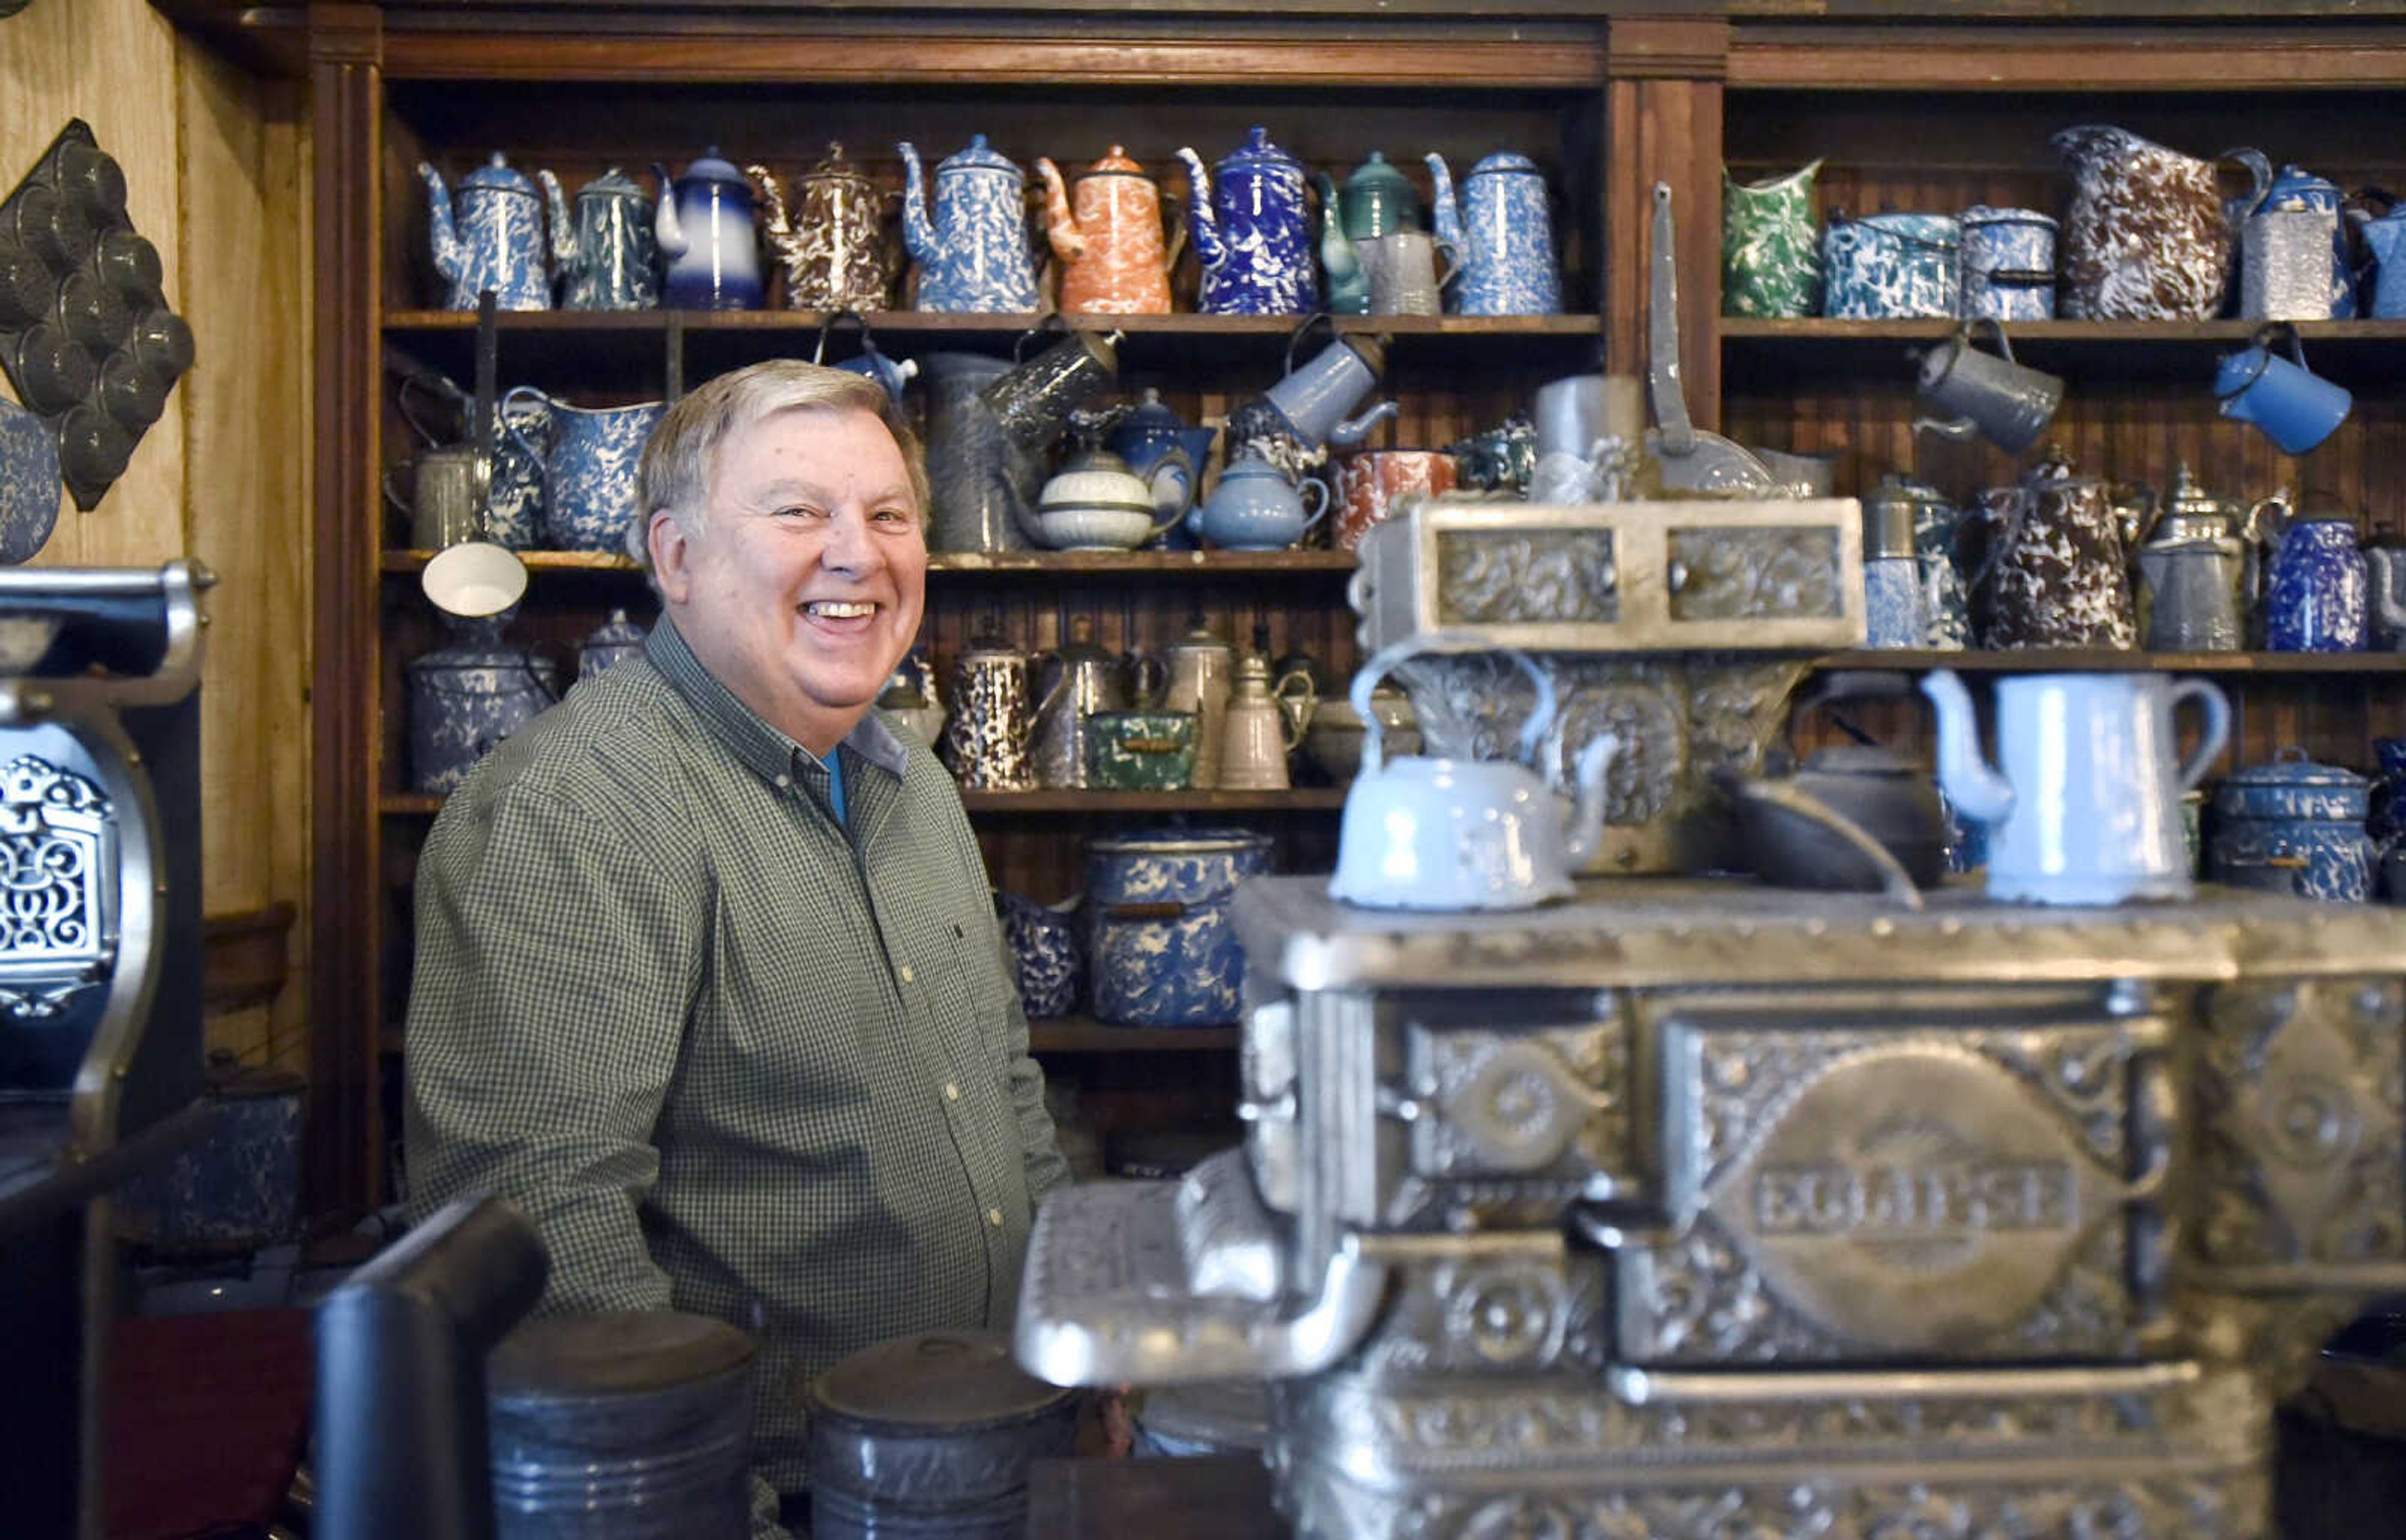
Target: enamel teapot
{"points": [[1254, 238], [2196, 572], [490, 236], [1464, 834], [833, 245], [1113, 260], [973, 254], [1505, 235], [1256, 508], [704, 228], [607, 255], [2385, 237]]}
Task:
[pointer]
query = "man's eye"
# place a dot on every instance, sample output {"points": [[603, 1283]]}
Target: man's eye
{"points": [[798, 511], [894, 516]]}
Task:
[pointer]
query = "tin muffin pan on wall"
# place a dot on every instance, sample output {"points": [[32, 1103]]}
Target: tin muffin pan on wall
{"points": [[86, 338]]}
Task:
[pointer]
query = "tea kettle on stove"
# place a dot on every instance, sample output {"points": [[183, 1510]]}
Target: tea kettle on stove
{"points": [[1464, 834]]}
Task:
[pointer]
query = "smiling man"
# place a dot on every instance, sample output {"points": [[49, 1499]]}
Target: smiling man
{"points": [[707, 980]]}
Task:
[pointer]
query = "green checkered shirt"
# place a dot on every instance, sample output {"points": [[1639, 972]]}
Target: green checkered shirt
{"points": [[731, 1056]]}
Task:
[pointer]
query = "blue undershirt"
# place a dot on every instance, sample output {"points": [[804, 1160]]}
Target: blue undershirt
{"points": [[835, 785]]}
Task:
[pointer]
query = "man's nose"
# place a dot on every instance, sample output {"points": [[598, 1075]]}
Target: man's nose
{"points": [[849, 548]]}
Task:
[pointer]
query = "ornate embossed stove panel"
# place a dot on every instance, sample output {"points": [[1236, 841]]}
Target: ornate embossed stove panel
{"points": [[1695, 1208]]}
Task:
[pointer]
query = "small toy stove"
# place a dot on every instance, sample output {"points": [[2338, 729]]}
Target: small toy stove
{"points": [[1699, 1208]]}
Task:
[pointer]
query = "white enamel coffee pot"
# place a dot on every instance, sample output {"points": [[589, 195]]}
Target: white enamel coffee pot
{"points": [[1464, 834]]}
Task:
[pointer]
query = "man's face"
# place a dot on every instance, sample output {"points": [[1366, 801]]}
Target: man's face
{"points": [[803, 585]]}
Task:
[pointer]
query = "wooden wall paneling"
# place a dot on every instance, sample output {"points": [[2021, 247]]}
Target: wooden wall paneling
{"points": [[345, 1140], [245, 409], [1663, 122]]}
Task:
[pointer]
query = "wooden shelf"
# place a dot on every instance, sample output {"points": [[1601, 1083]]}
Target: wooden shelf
{"points": [[1083, 1034], [625, 352], [408, 804], [1298, 800], [1769, 355], [2060, 660], [980, 564]]}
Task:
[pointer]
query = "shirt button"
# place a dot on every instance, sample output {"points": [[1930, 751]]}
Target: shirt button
{"points": [[993, 1217], [907, 975], [952, 1091], [784, 781]]}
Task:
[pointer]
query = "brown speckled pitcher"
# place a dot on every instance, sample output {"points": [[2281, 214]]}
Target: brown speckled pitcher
{"points": [[2147, 235]]}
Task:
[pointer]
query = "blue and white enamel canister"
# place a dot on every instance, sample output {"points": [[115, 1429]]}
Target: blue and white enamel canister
{"points": [[1163, 951], [1252, 231], [2316, 586], [1504, 232], [1894, 615], [609, 645], [490, 235], [1892, 266], [2008, 264], [2292, 826], [973, 252], [466, 699]]}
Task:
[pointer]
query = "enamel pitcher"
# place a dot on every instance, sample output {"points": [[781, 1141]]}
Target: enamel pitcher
{"points": [[1465, 834], [1107, 232], [832, 245], [1771, 244], [1252, 233], [607, 255], [490, 236], [973, 253], [1503, 234], [589, 503], [2087, 808], [705, 231], [2147, 235]]}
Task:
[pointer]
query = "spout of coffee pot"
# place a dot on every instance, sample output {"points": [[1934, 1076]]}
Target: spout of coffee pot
{"points": [[772, 198], [1584, 833], [918, 233], [1448, 213], [1977, 791], [1061, 230], [1201, 218], [442, 236], [1352, 431], [563, 230], [667, 230]]}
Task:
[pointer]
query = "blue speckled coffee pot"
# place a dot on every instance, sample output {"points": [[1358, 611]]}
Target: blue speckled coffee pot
{"points": [[1164, 951], [1253, 236], [489, 237], [973, 254], [466, 698], [2316, 586], [606, 252], [705, 229], [610, 643], [1505, 233], [2293, 827]]}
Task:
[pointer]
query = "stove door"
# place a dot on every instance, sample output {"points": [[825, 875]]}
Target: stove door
{"points": [[1855, 1175]]}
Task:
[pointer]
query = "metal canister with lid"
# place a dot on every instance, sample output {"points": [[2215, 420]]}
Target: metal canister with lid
{"points": [[929, 1438], [1163, 951], [1892, 597], [2292, 826], [628, 1425]]}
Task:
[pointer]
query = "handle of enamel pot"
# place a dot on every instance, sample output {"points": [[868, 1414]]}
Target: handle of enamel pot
{"points": [[1053, 321], [1299, 720], [1294, 338], [2004, 345], [441, 388], [1451, 257], [510, 429], [1314, 494], [2217, 707], [1366, 680], [868, 343], [2273, 331], [1663, 373]]}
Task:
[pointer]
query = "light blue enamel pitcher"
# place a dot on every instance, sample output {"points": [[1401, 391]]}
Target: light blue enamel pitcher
{"points": [[2087, 808]]}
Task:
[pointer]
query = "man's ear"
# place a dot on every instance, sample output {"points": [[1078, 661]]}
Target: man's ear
{"points": [[673, 553]]}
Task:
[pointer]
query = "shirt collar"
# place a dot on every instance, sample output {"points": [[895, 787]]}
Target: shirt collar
{"points": [[759, 747]]}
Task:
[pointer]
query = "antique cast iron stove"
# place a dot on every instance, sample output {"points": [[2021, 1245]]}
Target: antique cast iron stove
{"points": [[1699, 1208], [1679, 626]]}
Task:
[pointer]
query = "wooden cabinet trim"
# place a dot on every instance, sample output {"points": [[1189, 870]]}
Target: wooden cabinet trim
{"points": [[2060, 58]]}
